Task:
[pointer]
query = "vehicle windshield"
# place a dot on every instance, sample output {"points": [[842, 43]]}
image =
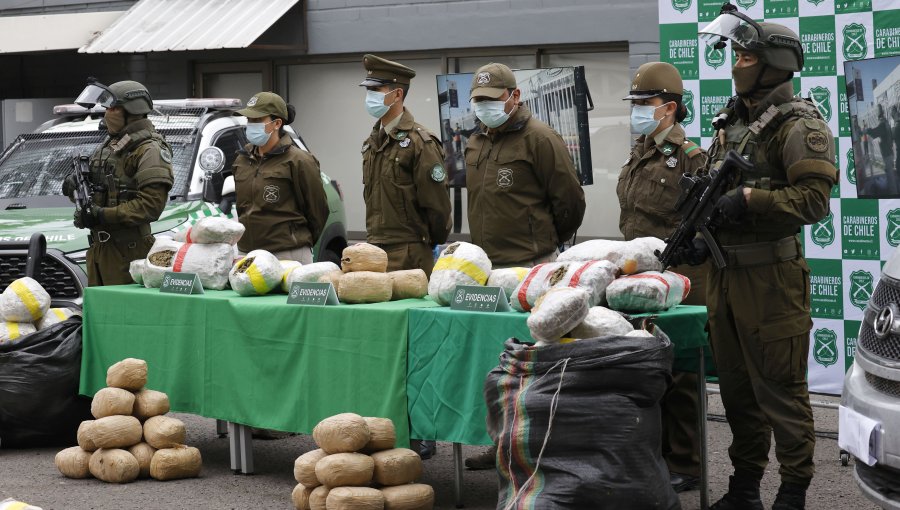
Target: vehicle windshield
{"points": [[36, 163]]}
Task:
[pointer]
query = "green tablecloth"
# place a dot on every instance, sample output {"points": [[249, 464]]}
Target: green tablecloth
{"points": [[254, 360], [451, 352]]}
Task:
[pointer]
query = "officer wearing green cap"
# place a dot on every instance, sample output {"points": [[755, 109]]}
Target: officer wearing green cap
{"points": [[648, 187], [404, 180], [131, 175], [525, 198], [278, 186], [759, 305]]}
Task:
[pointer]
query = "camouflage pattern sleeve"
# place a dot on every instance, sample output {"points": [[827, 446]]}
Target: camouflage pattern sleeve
{"points": [[432, 192]]}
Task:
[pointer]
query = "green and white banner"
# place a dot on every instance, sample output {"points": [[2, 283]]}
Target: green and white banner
{"points": [[847, 249]]}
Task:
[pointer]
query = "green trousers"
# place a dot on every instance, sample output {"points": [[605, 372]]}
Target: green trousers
{"points": [[409, 256], [107, 262], [759, 330]]}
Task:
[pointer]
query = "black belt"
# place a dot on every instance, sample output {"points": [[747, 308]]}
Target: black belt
{"points": [[760, 254]]}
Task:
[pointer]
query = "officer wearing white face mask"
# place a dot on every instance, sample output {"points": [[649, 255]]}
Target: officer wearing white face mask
{"points": [[648, 188], [278, 187], [404, 182]]}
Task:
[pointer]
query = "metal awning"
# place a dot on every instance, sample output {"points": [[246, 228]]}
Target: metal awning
{"points": [[51, 32], [182, 25]]}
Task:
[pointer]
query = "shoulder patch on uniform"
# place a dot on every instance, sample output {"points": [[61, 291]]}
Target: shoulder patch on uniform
{"points": [[437, 173], [817, 141], [165, 154]]}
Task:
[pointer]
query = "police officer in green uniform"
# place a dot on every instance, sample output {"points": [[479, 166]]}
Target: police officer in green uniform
{"points": [[404, 182], [648, 188], [525, 198], [131, 175], [278, 186], [759, 311]]}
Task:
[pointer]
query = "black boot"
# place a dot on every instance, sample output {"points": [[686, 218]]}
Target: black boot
{"points": [[790, 497], [743, 494]]}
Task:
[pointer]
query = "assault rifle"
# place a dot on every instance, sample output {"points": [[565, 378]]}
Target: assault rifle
{"points": [[697, 206], [82, 170]]}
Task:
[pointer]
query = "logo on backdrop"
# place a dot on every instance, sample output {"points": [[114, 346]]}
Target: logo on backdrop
{"points": [[714, 58], [893, 227], [821, 97], [687, 99], [815, 2], [851, 166], [823, 231], [825, 350], [746, 4], [855, 46], [681, 5], [860, 288]]}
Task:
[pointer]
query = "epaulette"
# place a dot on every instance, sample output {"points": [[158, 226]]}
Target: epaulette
{"points": [[691, 149]]}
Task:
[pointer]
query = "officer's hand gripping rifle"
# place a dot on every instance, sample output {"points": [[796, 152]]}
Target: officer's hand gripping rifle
{"points": [[697, 206], [81, 172]]}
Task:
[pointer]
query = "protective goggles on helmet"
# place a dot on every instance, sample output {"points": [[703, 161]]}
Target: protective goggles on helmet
{"points": [[737, 27], [96, 94]]}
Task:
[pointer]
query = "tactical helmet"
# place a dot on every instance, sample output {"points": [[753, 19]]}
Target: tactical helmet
{"points": [[132, 96], [653, 79], [774, 44]]}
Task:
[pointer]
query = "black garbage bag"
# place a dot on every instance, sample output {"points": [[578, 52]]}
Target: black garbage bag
{"points": [[39, 401], [577, 425]]}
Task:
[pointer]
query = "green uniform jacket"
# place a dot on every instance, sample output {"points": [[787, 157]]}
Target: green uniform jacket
{"points": [[405, 185], [648, 189], [524, 194], [280, 197]]}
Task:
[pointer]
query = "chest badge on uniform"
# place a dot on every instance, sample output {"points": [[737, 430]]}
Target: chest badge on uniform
{"points": [[671, 162], [504, 178], [405, 143], [166, 155], [401, 135], [365, 147], [270, 194], [667, 149], [817, 141], [437, 172]]}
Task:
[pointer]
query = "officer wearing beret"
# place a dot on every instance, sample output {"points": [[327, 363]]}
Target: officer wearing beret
{"points": [[759, 311], [404, 181]]}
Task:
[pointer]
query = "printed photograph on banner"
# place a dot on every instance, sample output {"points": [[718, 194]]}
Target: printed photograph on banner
{"points": [[855, 37], [708, 10], [889, 211], [816, 7], [822, 239], [860, 278], [843, 108], [826, 357], [822, 90], [836, 189], [752, 8], [678, 11], [826, 288], [817, 36], [860, 229], [714, 95], [774, 9], [851, 334], [690, 99], [678, 45], [886, 25], [847, 168], [845, 6], [714, 64]]}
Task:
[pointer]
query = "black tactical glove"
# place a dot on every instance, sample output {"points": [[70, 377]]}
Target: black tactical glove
{"points": [[68, 186], [692, 255], [89, 217], [732, 205]]}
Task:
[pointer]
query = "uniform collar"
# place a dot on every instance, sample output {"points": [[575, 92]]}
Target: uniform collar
{"points": [[777, 96], [672, 139], [139, 125], [399, 127], [283, 145]]}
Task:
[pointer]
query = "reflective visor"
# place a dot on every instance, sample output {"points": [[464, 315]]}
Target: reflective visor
{"points": [[95, 94], [734, 26]]}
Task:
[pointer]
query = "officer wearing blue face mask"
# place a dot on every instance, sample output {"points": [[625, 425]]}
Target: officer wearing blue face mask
{"points": [[279, 194], [647, 189]]}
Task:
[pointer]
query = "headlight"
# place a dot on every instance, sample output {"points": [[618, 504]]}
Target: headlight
{"points": [[212, 159], [78, 257]]}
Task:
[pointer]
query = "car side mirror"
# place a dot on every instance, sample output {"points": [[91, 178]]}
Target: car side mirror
{"points": [[212, 161]]}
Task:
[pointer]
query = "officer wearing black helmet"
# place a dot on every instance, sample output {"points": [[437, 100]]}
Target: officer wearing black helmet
{"points": [[131, 175], [759, 315]]}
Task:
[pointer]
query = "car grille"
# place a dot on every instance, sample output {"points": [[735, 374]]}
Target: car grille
{"points": [[883, 385], [55, 277], [887, 291]]}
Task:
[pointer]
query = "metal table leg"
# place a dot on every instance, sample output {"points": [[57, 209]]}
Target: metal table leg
{"points": [[701, 418], [458, 478], [240, 448]]}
